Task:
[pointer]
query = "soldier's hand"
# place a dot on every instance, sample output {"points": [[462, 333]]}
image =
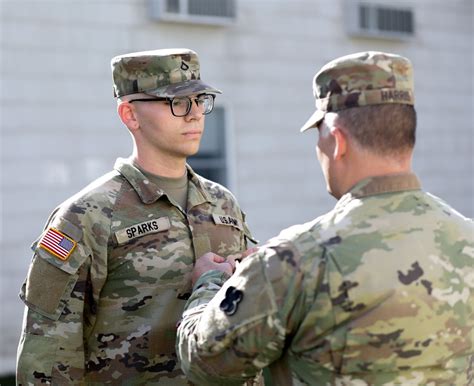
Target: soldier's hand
{"points": [[238, 257], [211, 261]]}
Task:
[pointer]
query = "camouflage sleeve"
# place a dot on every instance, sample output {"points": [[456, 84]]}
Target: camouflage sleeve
{"points": [[206, 287], [51, 348], [229, 331]]}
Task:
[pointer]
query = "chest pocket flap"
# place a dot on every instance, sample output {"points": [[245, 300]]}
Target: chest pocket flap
{"points": [[241, 225]]}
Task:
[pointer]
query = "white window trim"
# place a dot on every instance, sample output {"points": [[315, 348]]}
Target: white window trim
{"points": [[230, 147]]}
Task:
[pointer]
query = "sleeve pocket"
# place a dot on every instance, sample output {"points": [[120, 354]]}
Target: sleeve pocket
{"points": [[49, 285], [37, 354]]}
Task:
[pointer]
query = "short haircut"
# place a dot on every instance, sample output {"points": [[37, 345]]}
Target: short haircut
{"points": [[386, 129]]}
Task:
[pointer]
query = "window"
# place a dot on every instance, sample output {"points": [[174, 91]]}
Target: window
{"points": [[210, 162], [212, 12], [366, 19]]}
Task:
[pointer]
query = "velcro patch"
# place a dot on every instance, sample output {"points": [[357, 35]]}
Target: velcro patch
{"points": [[57, 243], [144, 228], [224, 219]]}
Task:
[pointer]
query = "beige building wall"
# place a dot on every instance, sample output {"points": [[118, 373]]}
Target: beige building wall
{"points": [[59, 129]]}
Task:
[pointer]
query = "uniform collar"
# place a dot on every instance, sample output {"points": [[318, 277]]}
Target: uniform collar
{"points": [[149, 192], [389, 183], [197, 193]]}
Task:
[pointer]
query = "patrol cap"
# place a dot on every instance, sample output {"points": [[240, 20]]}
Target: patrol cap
{"points": [[164, 73], [361, 79]]}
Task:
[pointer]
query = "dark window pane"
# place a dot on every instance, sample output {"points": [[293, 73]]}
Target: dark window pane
{"points": [[172, 6], [220, 8], [394, 20], [210, 161], [364, 17]]}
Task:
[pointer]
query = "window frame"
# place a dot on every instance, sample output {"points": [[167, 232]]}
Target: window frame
{"points": [[157, 10], [359, 11], [228, 149]]}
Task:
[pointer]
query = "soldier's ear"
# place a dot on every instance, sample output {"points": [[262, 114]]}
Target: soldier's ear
{"points": [[128, 116], [340, 139]]}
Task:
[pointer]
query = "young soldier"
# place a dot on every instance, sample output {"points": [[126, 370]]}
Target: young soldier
{"points": [[112, 269]]}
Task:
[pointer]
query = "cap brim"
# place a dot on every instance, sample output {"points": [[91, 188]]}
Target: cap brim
{"points": [[313, 121], [185, 88]]}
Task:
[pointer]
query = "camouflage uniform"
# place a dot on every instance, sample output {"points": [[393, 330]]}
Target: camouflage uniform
{"points": [[379, 291], [108, 312], [112, 270]]}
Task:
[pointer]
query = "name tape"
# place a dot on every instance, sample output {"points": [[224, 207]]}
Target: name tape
{"points": [[144, 228]]}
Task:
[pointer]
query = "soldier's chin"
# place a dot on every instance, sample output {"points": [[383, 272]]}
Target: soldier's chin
{"points": [[336, 195], [192, 152]]}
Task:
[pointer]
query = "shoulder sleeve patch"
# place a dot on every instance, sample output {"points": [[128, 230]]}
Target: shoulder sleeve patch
{"points": [[57, 243], [232, 298]]}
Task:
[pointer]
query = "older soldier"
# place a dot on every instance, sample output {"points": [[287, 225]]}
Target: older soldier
{"points": [[112, 269], [379, 291]]}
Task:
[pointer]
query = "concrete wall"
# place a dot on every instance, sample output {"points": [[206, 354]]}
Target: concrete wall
{"points": [[59, 129]]}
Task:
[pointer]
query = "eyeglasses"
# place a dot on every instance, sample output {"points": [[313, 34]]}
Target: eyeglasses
{"points": [[181, 106]]}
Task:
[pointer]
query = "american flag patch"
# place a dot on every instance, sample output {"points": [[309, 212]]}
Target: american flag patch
{"points": [[57, 243]]}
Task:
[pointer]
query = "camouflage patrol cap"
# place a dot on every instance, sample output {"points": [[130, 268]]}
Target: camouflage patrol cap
{"points": [[163, 73], [361, 79]]}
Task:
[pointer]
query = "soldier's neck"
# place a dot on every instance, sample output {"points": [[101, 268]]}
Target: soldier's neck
{"points": [[160, 165]]}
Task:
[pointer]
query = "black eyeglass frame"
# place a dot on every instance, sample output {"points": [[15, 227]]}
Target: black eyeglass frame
{"points": [[170, 101]]}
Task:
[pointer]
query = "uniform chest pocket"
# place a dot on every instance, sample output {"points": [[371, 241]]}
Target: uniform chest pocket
{"points": [[222, 234], [153, 259]]}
